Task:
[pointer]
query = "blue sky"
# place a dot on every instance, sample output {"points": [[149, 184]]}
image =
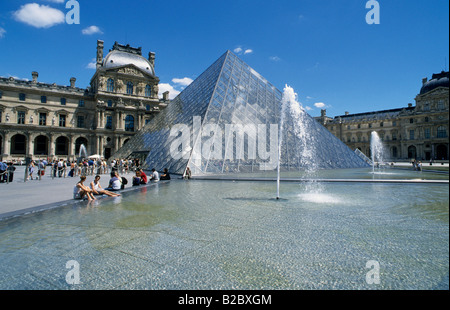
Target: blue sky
{"points": [[324, 49]]}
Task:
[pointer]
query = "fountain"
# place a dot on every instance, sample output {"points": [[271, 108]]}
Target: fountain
{"points": [[298, 117], [82, 153], [376, 150]]}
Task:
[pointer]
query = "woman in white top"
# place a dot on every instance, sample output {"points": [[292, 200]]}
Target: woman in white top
{"points": [[80, 190], [98, 190]]}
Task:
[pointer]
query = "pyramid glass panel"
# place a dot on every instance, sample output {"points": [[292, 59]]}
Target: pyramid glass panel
{"points": [[228, 121]]}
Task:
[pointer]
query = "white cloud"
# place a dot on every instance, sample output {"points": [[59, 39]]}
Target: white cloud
{"points": [[163, 87], [238, 50], [275, 58], [174, 90], [320, 105], [184, 81], [91, 30], [56, 1], [92, 64], [308, 108], [2, 32], [39, 16]]}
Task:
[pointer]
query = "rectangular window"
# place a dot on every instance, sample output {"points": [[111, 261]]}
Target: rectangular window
{"points": [[42, 119], [108, 122], [0, 116], [43, 99], [394, 136], [62, 121], [22, 97], [80, 121], [63, 101], [441, 132], [21, 117], [427, 133], [1, 94], [411, 135], [440, 104], [81, 103]]}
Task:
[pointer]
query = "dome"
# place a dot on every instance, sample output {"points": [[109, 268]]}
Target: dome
{"points": [[438, 80], [120, 58]]}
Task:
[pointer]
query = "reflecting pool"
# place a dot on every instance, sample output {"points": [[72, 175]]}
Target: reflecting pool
{"points": [[234, 235]]}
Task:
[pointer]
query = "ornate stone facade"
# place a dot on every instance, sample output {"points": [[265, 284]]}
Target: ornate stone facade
{"points": [[39, 120], [413, 132]]}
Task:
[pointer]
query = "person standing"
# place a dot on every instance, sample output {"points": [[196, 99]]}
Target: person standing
{"points": [[11, 170]]}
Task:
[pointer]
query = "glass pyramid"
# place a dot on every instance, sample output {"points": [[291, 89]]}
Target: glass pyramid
{"points": [[227, 121]]}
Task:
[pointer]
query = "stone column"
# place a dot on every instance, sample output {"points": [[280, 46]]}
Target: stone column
{"points": [[51, 146], [30, 149], [6, 145]]}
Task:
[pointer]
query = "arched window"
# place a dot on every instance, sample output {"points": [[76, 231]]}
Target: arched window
{"points": [[441, 132], [130, 88], [110, 85], [148, 91], [62, 146], [129, 123], [41, 145], [18, 144]]}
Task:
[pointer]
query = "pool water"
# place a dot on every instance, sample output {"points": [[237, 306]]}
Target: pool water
{"points": [[233, 235]]}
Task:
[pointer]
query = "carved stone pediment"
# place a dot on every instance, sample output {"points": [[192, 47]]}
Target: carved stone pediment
{"points": [[130, 71]]}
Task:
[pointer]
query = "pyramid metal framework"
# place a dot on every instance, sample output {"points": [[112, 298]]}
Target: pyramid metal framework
{"points": [[227, 121]]}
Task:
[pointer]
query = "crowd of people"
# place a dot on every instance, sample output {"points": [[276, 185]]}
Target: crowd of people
{"points": [[6, 171], [116, 182], [61, 168]]}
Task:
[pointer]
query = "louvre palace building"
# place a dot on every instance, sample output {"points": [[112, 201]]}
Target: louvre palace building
{"points": [[40, 120], [417, 131]]}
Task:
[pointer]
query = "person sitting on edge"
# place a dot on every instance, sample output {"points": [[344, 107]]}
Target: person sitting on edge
{"points": [[143, 177], [165, 175], [80, 190], [155, 175], [98, 190], [137, 178], [115, 183]]}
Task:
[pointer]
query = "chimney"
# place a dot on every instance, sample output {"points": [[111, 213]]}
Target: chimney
{"points": [[409, 105], [323, 112], [347, 113], [166, 96], [99, 53], [35, 75], [424, 80], [151, 58], [72, 82]]}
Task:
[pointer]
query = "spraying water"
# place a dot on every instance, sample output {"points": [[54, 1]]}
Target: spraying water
{"points": [[305, 143], [376, 150], [83, 152], [284, 103]]}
